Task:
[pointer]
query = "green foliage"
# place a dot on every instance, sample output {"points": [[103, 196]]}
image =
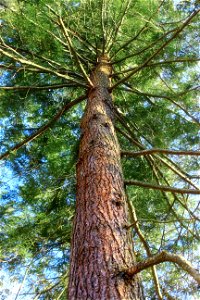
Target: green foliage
{"points": [[157, 108]]}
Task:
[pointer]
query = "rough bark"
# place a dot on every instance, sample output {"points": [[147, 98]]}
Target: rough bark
{"points": [[101, 244]]}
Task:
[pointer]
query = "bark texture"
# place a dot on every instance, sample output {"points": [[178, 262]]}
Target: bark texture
{"points": [[101, 245]]}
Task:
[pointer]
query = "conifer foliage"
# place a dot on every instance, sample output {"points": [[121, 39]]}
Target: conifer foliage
{"points": [[50, 51]]}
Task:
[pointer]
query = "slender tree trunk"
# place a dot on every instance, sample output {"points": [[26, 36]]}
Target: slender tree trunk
{"points": [[101, 245]]}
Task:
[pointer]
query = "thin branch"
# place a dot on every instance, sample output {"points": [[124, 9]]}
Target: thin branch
{"points": [[73, 51], [88, 45], [176, 171], [123, 121], [158, 50], [48, 31], [143, 49], [162, 151], [159, 221], [115, 31], [158, 173], [23, 281], [138, 92], [161, 187], [140, 31], [103, 26], [32, 87], [45, 127], [152, 163], [161, 257], [134, 219], [24, 61], [178, 60], [22, 69]]}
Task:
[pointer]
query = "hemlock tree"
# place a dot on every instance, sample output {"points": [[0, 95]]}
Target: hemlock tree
{"points": [[91, 87]]}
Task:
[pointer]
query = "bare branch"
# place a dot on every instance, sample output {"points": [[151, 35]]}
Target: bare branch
{"points": [[161, 187], [162, 151], [161, 257], [45, 127]]}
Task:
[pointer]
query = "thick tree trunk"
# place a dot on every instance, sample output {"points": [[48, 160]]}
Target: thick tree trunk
{"points": [[101, 245]]}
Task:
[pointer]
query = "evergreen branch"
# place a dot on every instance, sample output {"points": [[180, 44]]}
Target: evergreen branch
{"points": [[177, 172], [166, 293], [151, 161], [115, 31], [45, 127], [161, 187], [47, 31], [73, 51], [138, 92], [24, 61], [178, 60], [88, 45], [134, 139], [159, 221], [35, 87], [161, 257], [137, 35], [76, 34], [49, 288], [157, 51], [162, 151], [144, 49], [134, 219], [157, 172], [22, 69], [41, 57], [23, 281], [103, 26]]}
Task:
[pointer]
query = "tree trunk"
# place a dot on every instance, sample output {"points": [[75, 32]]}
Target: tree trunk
{"points": [[101, 245]]}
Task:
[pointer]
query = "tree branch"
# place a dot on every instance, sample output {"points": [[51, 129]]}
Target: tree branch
{"points": [[164, 62], [133, 218], [24, 61], [161, 257], [138, 92], [32, 87], [73, 51], [115, 30], [157, 150], [140, 31], [43, 128], [162, 187], [158, 50]]}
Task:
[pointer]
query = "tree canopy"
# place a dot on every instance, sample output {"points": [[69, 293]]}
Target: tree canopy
{"points": [[48, 50]]}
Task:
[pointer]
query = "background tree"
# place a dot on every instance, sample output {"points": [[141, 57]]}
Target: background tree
{"points": [[48, 51]]}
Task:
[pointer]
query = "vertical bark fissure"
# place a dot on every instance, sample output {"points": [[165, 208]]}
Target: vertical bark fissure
{"points": [[101, 244]]}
